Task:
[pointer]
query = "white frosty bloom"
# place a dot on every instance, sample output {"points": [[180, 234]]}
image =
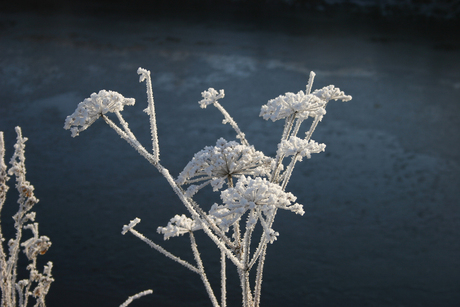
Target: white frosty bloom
{"points": [[253, 194], [215, 164], [303, 104], [331, 92], [177, 226], [250, 193], [300, 147], [300, 104], [210, 96], [90, 109]]}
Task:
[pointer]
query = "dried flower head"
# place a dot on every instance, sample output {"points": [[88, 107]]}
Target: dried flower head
{"points": [[177, 226], [90, 109], [210, 96], [253, 194], [299, 147], [300, 104], [331, 92], [215, 164]]}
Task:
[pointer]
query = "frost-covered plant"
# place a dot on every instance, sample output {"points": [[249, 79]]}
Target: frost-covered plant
{"points": [[17, 293], [252, 185]]}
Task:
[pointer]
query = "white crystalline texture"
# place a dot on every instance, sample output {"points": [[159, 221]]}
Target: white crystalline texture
{"points": [[301, 148], [290, 103], [131, 225], [302, 104], [215, 164], [331, 92], [210, 96], [35, 246], [253, 194], [249, 193], [90, 109], [177, 226]]}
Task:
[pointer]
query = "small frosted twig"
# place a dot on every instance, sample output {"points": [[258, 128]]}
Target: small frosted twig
{"points": [[279, 157], [179, 192], [163, 251], [136, 296], [212, 225], [287, 174], [130, 226], [229, 119], [131, 141], [125, 126], [288, 126], [202, 273], [145, 76], [258, 284], [223, 280], [245, 288], [297, 127], [237, 233], [3, 179], [313, 127], [310, 82]]}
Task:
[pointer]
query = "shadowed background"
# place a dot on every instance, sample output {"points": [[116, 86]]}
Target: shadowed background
{"points": [[381, 226]]}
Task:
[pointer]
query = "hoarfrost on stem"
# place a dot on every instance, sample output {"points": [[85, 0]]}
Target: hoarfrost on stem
{"points": [[14, 292]]}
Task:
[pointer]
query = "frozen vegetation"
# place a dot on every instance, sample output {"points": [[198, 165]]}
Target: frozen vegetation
{"points": [[17, 292], [252, 186]]}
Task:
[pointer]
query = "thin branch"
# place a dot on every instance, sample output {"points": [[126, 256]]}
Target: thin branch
{"points": [[223, 280], [163, 251], [145, 76], [136, 296], [206, 283], [228, 119]]}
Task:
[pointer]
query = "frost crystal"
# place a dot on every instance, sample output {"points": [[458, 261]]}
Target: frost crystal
{"points": [[299, 147], [216, 164], [210, 96], [177, 226], [90, 109]]}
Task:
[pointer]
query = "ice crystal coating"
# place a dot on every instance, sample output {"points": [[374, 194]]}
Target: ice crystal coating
{"points": [[35, 245], [131, 225], [303, 105], [331, 92], [257, 195], [300, 104], [210, 96], [299, 147], [253, 194], [216, 164], [90, 109], [177, 226]]}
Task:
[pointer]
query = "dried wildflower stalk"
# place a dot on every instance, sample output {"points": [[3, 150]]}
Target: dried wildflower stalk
{"points": [[17, 293], [252, 185]]}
